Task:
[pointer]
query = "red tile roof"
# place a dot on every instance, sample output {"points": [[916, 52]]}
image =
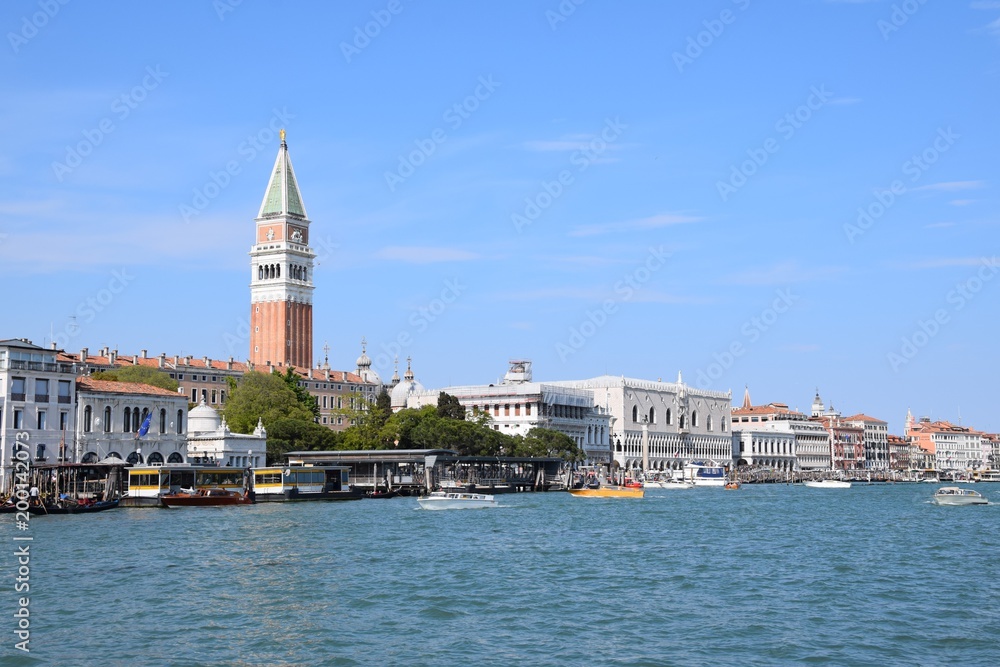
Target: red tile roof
{"points": [[108, 386]]}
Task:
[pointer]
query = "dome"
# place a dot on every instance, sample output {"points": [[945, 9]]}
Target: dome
{"points": [[402, 391], [365, 366], [203, 419]]}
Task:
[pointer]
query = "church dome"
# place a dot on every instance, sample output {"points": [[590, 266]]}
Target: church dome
{"points": [[404, 389], [203, 419], [364, 364]]}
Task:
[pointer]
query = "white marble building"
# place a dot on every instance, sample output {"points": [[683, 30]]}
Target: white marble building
{"points": [[518, 404], [211, 442], [678, 423]]}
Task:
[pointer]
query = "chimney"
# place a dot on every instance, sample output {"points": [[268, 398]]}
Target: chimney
{"points": [[143, 353], [52, 346], [208, 362], [163, 360], [229, 365], [187, 360], [104, 351], [113, 357], [177, 361], [135, 361]]}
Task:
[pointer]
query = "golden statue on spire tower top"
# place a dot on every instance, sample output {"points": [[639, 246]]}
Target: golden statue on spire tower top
{"points": [[281, 133]]}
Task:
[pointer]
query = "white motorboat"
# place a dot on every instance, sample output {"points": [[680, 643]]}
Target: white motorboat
{"points": [[826, 484], [702, 473], [676, 484], [455, 500], [955, 495]]}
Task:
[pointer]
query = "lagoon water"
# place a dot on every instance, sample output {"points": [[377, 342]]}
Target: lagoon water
{"points": [[767, 575]]}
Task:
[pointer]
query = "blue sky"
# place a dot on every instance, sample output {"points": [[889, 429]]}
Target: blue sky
{"points": [[782, 195]]}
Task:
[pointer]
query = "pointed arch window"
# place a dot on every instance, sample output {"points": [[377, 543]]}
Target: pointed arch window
{"points": [[87, 418], [652, 415], [635, 413], [670, 417], [163, 420], [107, 419], [694, 419], [127, 420], [180, 421]]}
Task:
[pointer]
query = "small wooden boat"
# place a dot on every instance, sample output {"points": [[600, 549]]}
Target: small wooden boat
{"points": [[74, 507], [206, 498], [381, 493]]}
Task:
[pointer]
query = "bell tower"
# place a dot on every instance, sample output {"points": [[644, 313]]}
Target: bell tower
{"points": [[281, 271]]}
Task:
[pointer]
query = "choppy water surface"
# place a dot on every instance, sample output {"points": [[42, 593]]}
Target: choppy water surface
{"points": [[762, 576]]}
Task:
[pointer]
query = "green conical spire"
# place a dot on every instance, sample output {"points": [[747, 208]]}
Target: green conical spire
{"points": [[282, 194]]}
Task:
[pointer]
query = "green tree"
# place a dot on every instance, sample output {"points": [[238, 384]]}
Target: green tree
{"points": [[290, 435], [383, 402], [263, 396], [449, 407], [138, 374], [305, 399], [547, 442]]}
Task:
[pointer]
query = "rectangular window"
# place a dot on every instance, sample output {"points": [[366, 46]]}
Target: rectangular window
{"points": [[18, 419], [214, 378], [64, 393], [180, 376], [41, 390], [213, 396], [194, 395], [17, 389], [340, 420], [63, 421], [41, 420], [324, 402]]}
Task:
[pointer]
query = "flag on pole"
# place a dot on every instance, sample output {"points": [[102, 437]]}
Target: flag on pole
{"points": [[144, 429]]}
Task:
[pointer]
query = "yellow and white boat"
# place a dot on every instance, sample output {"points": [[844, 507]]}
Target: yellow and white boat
{"points": [[609, 492]]}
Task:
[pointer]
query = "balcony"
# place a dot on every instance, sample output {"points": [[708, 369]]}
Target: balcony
{"points": [[43, 366], [41, 398], [17, 397], [65, 399]]}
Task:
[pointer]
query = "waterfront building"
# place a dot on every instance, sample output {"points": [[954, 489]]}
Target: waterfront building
{"points": [[991, 450], [281, 273], [953, 448], [36, 404], [110, 416], [204, 379], [210, 442], [900, 453], [875, 438], [812, 442], [518, 404], [847, 444], [661, 425], [765, 448]]}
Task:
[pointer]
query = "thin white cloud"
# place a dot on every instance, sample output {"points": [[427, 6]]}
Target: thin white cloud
{"points": [[783, 273], [425, 254], [939, 225], [640, 224], [962, 202], [952, 186], [947, 262]]}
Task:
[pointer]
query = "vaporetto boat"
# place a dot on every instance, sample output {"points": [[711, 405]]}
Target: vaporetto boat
{"points": [[705, 473]]}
